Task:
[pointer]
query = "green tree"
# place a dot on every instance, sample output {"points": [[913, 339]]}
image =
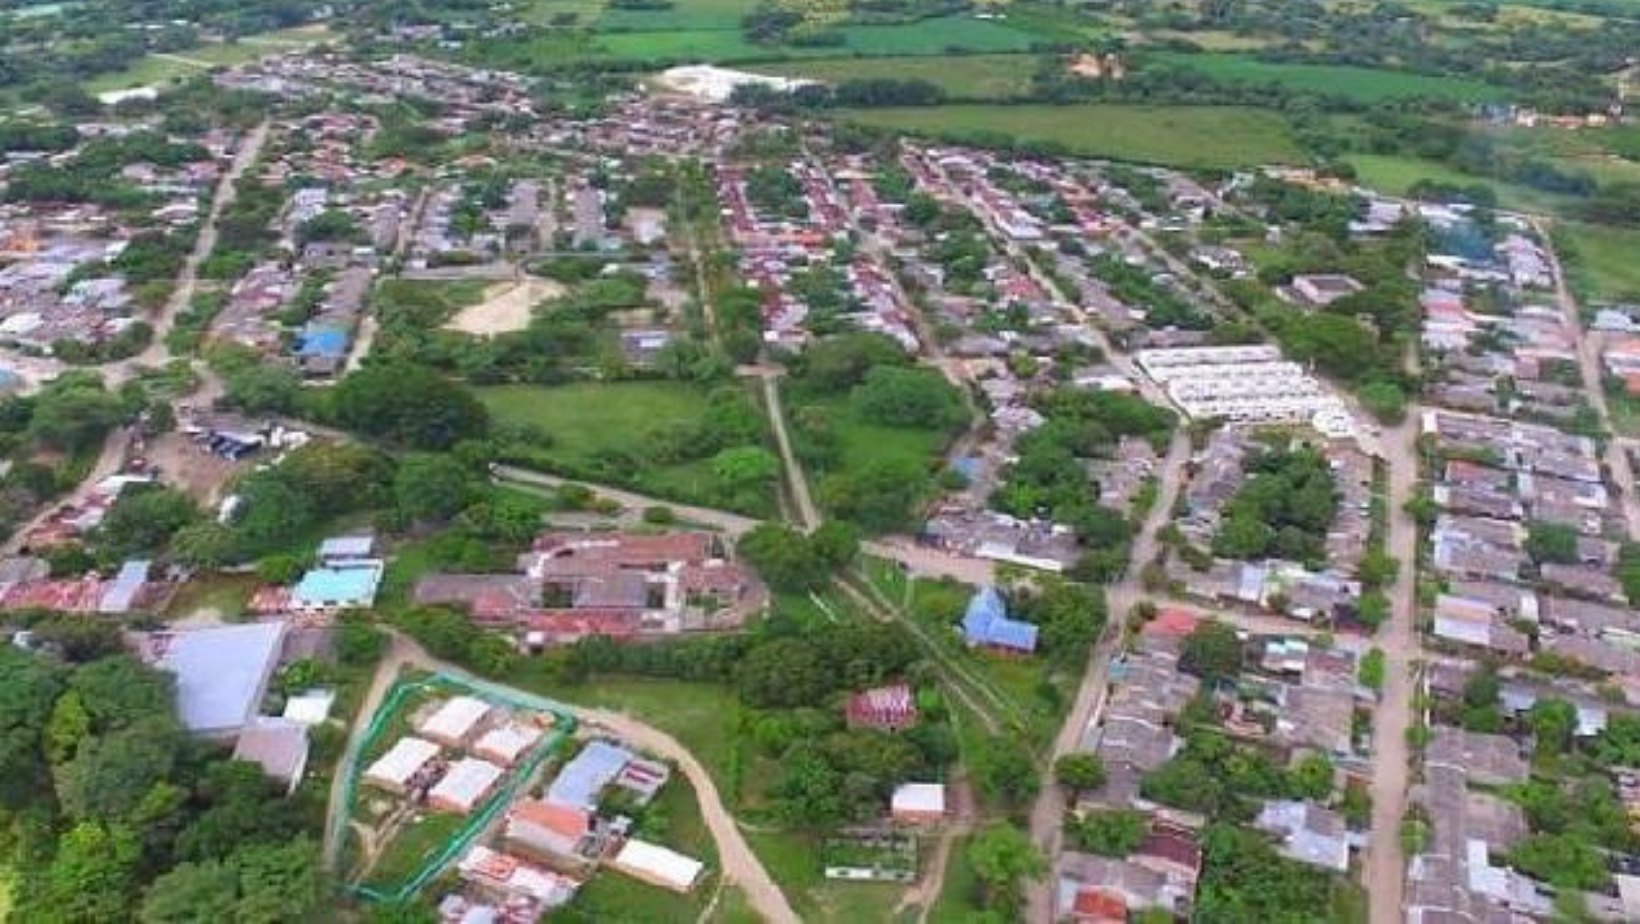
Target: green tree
{"points": [[409, 404], [1553, 722], [111, 773], [1551, 543], [433, 488], [92, 877], [1002, 856], [743, 467], [1079, 772], [1108, 833], [144, 519], [1213, 652]]}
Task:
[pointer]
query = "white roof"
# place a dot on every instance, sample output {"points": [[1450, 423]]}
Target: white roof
{"points": [[222, 673], [466, 782], [919, 797], [455, 718], [310, 708], [660, 864], [401, 761], [508, 741]]}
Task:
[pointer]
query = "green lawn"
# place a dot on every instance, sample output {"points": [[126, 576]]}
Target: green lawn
{"points": [[147, 71], [793, 861], [724, 15], [1395, 175], [154, 70], [412, 848], [598, 430], [961, 77], [1605, 260], [714, 44], [1179, 136], [1363, 84], [958, 899], [226, 594]]}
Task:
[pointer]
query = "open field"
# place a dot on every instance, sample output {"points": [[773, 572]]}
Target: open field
{"points": [[599, 431], [793, 859], [962, 77], [929, 37], [1395, 174], [1368, 85], [683, 14], [1178, 136], [1605, 263]]}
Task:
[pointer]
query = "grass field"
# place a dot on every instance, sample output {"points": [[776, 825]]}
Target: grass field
{"points": [[1606, 265], [1395, 174], [598, 430], [964, 77], [958, 899], [1220, 137], [413, 847], [793, 860], [1368, 85], [720, 45]]}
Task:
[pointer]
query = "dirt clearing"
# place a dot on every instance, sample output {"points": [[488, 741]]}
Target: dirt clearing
{"points": [[506, 307]]}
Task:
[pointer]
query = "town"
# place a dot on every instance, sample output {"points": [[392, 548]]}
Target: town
{"points": [[427, 497]]}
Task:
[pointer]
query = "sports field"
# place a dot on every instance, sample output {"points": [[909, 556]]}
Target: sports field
{"points": [[1177, 136], [1364, 84], [965, 77]]}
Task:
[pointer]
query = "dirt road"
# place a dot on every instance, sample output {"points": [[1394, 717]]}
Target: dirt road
{"points": [[1385, 869], [797, 483], [740, 865], [1048, 812]]}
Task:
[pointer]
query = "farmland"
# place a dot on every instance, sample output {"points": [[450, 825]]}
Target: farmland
{"points": [[968, 77], [929, 37], [1179, 136], [1367, 85]]}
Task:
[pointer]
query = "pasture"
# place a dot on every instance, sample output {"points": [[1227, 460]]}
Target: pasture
{"points": [[1604, 262], [964, 77], [718, 45], [1362, 84], [1215, 137]]}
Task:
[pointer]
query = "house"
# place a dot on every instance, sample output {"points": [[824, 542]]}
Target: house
{"points": [[455, 722], [343, 585], [1090, 888], [1310, 834], [918, 803], [1321, 290], [279, 747], [657, 865], [506, 743], [510, 876], [398, 769], [986, 625], [221, 672], [467, 783], [890, 708], [1492, 760]]}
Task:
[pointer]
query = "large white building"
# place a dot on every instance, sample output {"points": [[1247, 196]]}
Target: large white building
{"points": [[1246, 384]]}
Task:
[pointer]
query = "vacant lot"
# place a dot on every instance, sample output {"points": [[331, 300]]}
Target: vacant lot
{"points": [[1395, 175], [598, 432], [961, 76], [507, 306], [1369, 85], [1178, 136]]}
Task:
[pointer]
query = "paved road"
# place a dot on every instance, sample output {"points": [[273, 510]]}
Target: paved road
{"points": [[917, 559], [740, 865], [1385, 871], [1588, 359], [1048, 812]]}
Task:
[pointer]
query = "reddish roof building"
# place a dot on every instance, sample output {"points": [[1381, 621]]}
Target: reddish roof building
{"points": [[890, 708]]}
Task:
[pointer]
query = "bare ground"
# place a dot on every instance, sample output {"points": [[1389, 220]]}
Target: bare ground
{"points": [[506, 307]]}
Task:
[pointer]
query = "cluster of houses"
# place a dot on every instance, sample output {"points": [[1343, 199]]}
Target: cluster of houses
{"points": [[60, 278], [621, 585], [463, 94], [1328, 594], [1296, 697]]}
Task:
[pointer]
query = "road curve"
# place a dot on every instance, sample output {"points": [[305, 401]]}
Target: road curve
{"points": [[740, 865]]}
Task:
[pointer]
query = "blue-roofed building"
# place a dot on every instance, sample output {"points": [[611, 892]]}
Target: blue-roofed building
{"points": [[340, 586], [986, 624], [581, 781], [322, 341]]}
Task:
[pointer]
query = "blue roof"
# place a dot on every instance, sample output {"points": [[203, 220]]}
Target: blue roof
{"points": [[986, 623], [322, 341], [350, 586], [968, 467], [584, 777]]}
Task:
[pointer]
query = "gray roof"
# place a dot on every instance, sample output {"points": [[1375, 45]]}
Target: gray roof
{"points": [[222, 673], [583, 778]]}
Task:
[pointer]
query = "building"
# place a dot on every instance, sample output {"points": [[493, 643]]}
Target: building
{"points": [[467, 783], [986, 625], [400, 767], [918, 803], [1310, 834], [510, 876], [344, 585], [890, 708], [455, 722], [222, 673], [279, 747], [506, 743], [657, 865]]}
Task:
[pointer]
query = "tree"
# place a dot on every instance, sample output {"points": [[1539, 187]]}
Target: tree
{"points": [[29, 686], [1002, 855], [783, 557], [1563, 860], [262, 388], [742, 467], [1553, 722], [1384, 401], [432, 488], [1080, 772], [1213, 652], [1005, 772], [878, 496], [1551, 543], [206, 545], [1313, 777], [1110, 833], [409, 404], [908, 397], [91, 878], [145, 518], [1372, 669], [111, 773]]}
